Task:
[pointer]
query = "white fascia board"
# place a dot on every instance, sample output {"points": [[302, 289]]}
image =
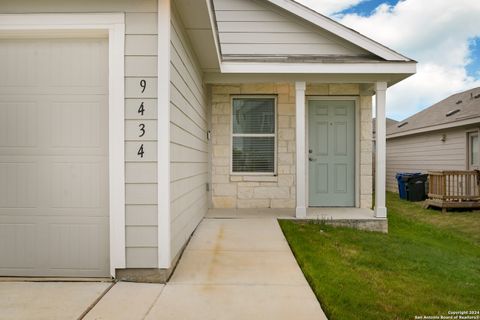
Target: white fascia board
{"points": [[370, 78], [460, 123], [332, 68], [339, 30], [211, 15]]}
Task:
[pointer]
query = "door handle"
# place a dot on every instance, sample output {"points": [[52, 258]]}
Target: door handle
{"points": [[312, 159]]}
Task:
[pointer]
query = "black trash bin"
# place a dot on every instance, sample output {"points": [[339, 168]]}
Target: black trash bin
{"points": [[416, 187], [402, 179]]}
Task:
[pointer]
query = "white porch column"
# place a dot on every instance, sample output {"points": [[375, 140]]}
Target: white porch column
{"points": [[301, 209], [380, 152]]}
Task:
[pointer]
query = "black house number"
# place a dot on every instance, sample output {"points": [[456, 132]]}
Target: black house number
{"points": [[140, 151], [142, 130], [141, 109]]}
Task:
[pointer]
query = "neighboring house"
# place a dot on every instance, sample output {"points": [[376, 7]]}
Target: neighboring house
{"points": [[122, 122], [441, 137]]}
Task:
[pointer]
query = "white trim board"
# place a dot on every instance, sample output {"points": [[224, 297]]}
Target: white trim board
{"points": [[114, 25], [328, 78], [163, 135], [379, 68]]}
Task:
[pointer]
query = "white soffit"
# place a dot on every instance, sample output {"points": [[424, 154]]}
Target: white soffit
{"points": [[195, 18]]}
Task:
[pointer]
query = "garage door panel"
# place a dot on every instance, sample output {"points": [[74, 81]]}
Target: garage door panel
{"points": [[73, 246], [54, 157], [53, 245], [18, 124], [18, 241], [77, 124], [51, 63], [76, 57], [18, 185], [22, 69], [78, 185]]}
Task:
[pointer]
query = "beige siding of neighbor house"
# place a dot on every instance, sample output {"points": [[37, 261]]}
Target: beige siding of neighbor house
{"points": [[140, 63], [189, 146], [426, 151], [250, 191], [248, 27]]}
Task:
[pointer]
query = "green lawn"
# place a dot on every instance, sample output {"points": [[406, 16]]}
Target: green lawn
{"points": [[428, 264]]}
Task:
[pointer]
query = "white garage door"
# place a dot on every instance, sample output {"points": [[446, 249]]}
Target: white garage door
{"points": [[54, 157]]}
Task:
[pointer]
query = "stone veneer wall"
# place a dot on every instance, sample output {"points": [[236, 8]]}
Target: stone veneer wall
{"points": [[247, 191]]}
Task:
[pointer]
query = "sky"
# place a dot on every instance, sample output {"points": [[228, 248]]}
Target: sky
{"points": [[442, 35]]}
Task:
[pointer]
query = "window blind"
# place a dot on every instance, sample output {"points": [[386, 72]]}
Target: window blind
{"points": [[253, 135]]}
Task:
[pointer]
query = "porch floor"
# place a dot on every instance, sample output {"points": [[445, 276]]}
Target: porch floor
{"points": [[312, 213]]}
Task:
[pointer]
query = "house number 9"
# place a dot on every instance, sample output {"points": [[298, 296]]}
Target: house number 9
{"points": [[143, 84]]}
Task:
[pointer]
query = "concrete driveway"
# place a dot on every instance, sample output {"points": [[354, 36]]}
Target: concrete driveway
{"points": [[48, 300], [231, 269]]}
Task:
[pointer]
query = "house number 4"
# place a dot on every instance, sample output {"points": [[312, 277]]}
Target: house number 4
{"points": [[140, 151]]}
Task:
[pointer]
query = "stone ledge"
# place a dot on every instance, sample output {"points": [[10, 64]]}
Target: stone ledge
{"points": [[374, 225]]}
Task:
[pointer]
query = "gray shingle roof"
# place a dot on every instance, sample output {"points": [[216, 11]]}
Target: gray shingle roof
{"points": [[457, 107]]}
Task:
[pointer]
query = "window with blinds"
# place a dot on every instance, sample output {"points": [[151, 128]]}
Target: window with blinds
{"points": [[253, 135]]}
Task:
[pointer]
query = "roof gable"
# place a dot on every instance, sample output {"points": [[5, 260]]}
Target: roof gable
{"points": [[256, 30], [339, 29]]}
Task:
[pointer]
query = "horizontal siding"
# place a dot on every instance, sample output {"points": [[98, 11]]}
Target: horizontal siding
{"points": [[248, 27], [188, 132], [141, 172], [141, 45], [425, 152]]}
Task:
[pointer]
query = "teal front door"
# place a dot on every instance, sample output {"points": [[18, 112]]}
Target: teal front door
{"points": [[331, 153]]}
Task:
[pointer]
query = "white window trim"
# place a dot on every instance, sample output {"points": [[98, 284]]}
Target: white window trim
{"points": [[114, 25], [471, 166], [275, 135]]}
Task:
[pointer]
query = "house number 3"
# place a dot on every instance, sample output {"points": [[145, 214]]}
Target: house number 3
{"points": [[142, 130]]}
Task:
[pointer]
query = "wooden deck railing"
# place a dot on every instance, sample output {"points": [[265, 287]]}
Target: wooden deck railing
{"points": [[454, 186]]}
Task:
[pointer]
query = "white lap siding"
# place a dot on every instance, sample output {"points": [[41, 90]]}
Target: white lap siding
{"points": [[248, 27], [424, 152], [188, 132]]}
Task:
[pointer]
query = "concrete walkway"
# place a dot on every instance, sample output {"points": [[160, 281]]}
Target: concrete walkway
{"points": [[231, 269]]}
